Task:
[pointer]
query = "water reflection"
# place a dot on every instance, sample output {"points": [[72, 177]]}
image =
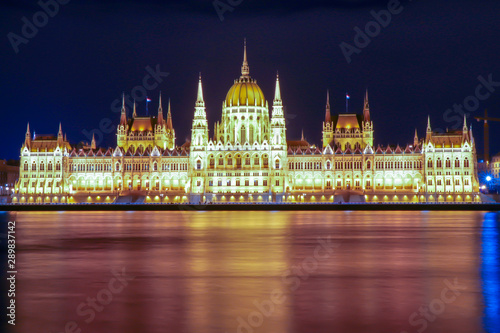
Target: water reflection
{"points": [[490, 272], [221, 271]]}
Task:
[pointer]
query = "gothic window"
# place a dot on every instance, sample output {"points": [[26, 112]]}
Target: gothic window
{"points": [[265, 161], [448, 163], [117, 167], [198, 165], [42, 168], [466, 163], [229, 160], [255, 182], [49, 166], [212, 163], [25, 166], [33, 167], [256, 161], [221, 161], [265, 182], [155, 166], [328, 165], [429, 163], [277, 164], [250, 134], [438, 163], [58, 166], [368, 165], [457, 163], [243, 135]]}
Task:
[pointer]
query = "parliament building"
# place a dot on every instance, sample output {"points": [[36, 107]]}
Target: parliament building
{"points": [[248, 159]]}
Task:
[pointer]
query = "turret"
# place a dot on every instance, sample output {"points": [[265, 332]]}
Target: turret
{"points": [[160, 112], [92, 144], [27, 138], [428, 134], [169, 117], [328, 117], [278, 129], [123, 117], [366, 108], [60, 137], [415, 139]]}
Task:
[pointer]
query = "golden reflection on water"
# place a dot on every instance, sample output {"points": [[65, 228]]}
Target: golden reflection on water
{"points": [[210, 271]]}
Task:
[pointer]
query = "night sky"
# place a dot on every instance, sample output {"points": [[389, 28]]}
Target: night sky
{"points": [[427, 59]]}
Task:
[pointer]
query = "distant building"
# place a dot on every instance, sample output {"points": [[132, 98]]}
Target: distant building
{"points": [[249, 159], [495, 166], [9, 175]]}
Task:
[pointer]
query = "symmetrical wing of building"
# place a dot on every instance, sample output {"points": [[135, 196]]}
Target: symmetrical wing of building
{"points": [[248, 159]]}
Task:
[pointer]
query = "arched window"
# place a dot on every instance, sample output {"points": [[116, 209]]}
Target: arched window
{"points": [[466, 163], [155, 166], [457, 163], [250, 134], [429, 163], [438, 163], [328, 165], [448, 163], [42, 167], [277, 164], [198, 165], [265, 161], [117, 166], [33, 167], [243, 133], [25, 166], [58, 166], [368, 165]]}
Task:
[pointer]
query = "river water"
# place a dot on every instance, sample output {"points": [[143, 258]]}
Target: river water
{"points": [[310, 272]]}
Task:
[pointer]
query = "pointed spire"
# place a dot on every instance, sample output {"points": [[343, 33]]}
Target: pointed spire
{"points": [[415, 139], [366, 107], [465, 123], [27, 139], [428, 135], [199, 99], [134, 113], [123, 117], [302, 136], [92, 144], [160, 111], [169, 117], [328, 117], [245, 70], [277, 91]]}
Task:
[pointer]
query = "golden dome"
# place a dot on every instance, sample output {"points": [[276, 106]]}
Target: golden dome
{"points": [[243, 89]]}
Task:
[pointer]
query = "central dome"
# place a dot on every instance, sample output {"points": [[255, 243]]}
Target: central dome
{"points": [[245, 92]]}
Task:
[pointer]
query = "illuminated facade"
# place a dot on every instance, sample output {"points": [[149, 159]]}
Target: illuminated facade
{"points": [[248, 159]]}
